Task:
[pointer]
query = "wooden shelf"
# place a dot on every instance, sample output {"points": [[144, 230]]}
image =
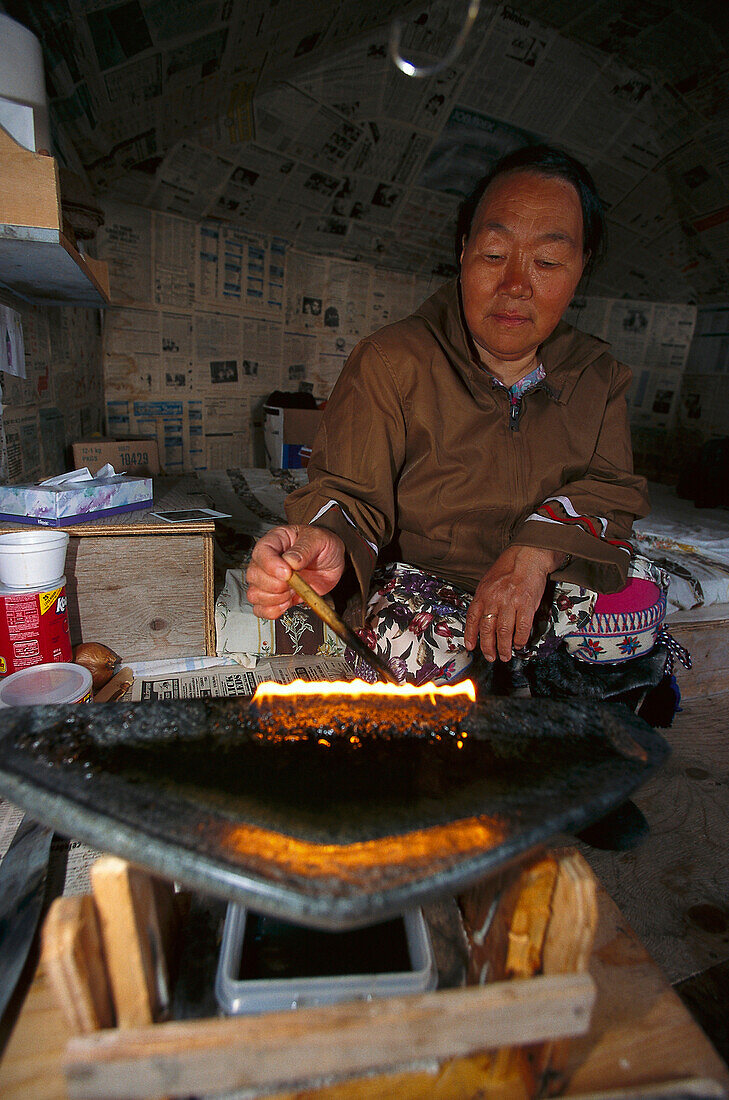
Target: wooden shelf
{"points": [[37, 261]]}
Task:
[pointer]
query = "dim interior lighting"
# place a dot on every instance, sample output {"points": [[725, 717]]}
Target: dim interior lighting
{"points": [[361, 689], [407, 67]]}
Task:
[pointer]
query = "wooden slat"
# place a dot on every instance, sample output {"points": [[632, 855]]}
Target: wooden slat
{"points": [[566, 949], [708, 644], [208, 551], [186, 1057], [131, 931], [99, 274], [573, 922], [537, 918], [73, 958]]}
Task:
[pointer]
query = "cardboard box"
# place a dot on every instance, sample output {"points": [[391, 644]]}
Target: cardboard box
{"points": [[285, 432], [58, 505], [130, 456]]}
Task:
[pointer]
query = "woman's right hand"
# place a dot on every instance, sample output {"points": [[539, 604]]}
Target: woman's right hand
{"points": [[317, 554]]}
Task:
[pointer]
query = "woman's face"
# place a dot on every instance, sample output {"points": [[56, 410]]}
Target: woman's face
{"points": [[521, 264]]}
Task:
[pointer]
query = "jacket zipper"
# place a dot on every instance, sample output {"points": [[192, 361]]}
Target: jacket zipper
{"points": [[516, 409], [517, 460], [514, 412]]}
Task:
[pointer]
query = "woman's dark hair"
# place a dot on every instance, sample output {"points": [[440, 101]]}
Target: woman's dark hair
{"points": [[544, 160]]}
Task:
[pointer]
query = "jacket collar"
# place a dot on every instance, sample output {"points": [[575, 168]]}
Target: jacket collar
{"points": [[565, 353]]}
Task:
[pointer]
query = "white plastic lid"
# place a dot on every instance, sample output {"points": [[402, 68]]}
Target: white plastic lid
{"points": [[51, 683]]}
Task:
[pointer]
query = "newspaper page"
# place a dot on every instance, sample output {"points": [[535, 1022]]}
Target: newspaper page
{"points": [[653, 339], [23, 443], [173, 244], [125, 241], [229, 681], [41, 360], [705, 390], [510, 57], [12, 350]]}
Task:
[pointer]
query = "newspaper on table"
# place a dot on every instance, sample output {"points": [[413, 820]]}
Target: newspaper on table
{"points": [[234, 680]]}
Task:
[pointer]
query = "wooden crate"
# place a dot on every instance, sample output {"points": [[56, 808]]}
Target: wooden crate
{"points": [[704, 631], [529, 934], [147, 595]]}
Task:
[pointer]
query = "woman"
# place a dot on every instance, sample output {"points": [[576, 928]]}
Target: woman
{"points": [[476, 449]]}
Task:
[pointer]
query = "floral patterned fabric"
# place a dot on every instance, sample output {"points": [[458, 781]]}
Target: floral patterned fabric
{"points": [[565, 608], [416, 621]]}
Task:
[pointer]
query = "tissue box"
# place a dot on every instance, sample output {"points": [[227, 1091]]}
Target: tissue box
{"points": [[58, 505]]}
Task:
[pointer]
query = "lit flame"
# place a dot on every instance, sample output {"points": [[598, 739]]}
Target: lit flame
{"points": [[358, 688]]}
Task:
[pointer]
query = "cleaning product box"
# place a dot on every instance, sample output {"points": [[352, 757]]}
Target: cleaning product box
{"points": [[285, 432], [131, 456], [54, 504]]}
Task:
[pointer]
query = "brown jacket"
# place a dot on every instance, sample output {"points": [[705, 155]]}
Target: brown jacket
{"points": [[418, 448]]}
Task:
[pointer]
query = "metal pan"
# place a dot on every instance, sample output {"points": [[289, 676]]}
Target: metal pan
{"points": [[316, 830]]}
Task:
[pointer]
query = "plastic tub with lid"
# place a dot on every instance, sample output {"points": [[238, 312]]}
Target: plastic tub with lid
{"points": [[51, 683]]}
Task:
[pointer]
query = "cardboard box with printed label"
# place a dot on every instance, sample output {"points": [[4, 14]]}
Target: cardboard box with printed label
{"points": [[285, 432], [130, 456]]}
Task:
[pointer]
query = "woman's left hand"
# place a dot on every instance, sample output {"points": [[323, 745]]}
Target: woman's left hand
{"points": [[507, 598]]}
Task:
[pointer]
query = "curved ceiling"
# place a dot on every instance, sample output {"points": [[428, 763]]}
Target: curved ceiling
{"points": [[287, 117]]}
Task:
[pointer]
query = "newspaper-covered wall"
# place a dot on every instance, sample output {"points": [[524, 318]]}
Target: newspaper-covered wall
{"points": [[60, 399], [289, 119], [704, 407], [215, 319], [654, 339], [275, 187], [209, 320]]}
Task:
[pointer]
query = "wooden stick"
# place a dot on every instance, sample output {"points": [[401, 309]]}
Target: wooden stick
{"points": [[274, 1049], [329, 616]]}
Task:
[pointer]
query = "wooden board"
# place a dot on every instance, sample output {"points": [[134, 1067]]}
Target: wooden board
{"points": [[145, 596], [185, 1057], [707, 640], [36, 259], [30, 190], [74, 959], [131, 932]]}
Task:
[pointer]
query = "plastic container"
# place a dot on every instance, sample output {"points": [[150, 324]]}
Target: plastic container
{"points": [[54, 683], [240, 994], [30, 559], [23, 100]]}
